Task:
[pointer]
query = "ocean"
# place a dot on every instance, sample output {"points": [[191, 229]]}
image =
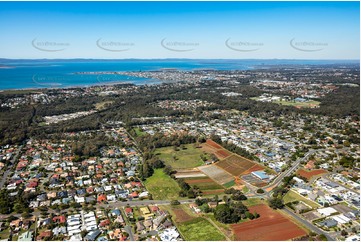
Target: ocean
{"points": [[28, 74]]}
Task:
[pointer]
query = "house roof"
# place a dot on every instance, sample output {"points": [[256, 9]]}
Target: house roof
{"points": [[128, 210], [60, 219], [101, 198], [91, 236], [104, 223], [330, 223]]}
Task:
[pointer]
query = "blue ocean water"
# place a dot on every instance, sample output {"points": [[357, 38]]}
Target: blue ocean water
{"points": [[24, 74]]}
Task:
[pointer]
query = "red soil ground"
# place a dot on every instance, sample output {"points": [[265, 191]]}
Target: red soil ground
{"points": [[256, 167], [196, 181], [309, 174], [221, 154], [213, 144], [271, 225], [208, 149]]}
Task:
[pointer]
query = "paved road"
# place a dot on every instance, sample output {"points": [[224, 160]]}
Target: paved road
{"points": [[128, 229], [288, 172], [13, 162], [276, 182], [309, 225]]}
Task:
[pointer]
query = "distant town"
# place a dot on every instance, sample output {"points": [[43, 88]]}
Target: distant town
{"points": [[265, 154]]}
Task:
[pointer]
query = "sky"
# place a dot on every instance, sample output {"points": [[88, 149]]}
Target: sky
{"points": [[199, 30]]}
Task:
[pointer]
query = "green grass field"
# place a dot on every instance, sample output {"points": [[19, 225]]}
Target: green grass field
{"points": [[200, 229], [292, 196], [161, 186], [138, 132], [307, 104], [253, 201], [187, 158], [229, 184], [5, 234]]}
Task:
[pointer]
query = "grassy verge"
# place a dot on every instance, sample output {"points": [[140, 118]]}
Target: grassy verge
{"points": [[161, 186], [245, 189], [253, 201]]}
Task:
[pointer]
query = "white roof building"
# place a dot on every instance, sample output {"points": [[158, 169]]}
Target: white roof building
{"points": [[170, 234], [326, 211], [342, 219]]}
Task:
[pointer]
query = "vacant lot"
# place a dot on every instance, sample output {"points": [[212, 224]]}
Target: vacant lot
{"points": [[216, 174], [253, 180], [180, 215], [309, 174], [342, 208], [200, 229], [292, 196], [161, 186], [311, 215], [237, 165], [182, 158], [270, 226]]}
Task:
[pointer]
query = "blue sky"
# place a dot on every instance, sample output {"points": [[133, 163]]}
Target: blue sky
{"points": [[287, 30]]}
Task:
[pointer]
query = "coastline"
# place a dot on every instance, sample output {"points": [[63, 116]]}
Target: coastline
{"points": [[155, 82]]}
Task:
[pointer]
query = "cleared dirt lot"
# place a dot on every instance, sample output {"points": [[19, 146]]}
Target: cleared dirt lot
{"points": [[342, 208], [216, 174], [311, 215], [270, 226], [254, 180], [181, 215]]}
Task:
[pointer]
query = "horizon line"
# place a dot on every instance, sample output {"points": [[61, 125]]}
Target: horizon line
{"points": [[81, 58]]}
